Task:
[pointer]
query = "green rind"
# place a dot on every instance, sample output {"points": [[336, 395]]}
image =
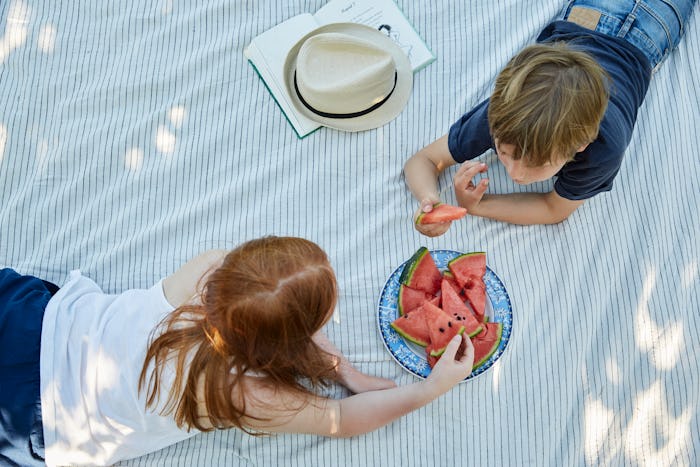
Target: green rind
{"points": [[412, 264], [410, 338], [496, 343], [476, 332], [422, 214]]}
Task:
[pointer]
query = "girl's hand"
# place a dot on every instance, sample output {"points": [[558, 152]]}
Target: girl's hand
{"points": [[468, 194], [448, 371], [430, 230]]}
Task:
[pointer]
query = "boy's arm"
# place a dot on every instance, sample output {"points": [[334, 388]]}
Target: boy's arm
{"points": [[421, 172], [516, 208]]}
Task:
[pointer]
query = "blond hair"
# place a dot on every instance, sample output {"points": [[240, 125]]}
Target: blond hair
{"points": [[548, 101]]}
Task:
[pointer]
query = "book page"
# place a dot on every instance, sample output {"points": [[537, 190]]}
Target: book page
{"points": [[268, 53], [384, 15]]}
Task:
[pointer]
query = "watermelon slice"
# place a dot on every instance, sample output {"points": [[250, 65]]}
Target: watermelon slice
{"points": [[413, 327], [453, 305], [410, 299], [468, 267], [442, 328], [441, 213], [432, 360], [486, 343], [421, 272], [476, 295]]}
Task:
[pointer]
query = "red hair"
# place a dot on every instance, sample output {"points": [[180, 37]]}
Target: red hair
{"points": [[258, 313]]}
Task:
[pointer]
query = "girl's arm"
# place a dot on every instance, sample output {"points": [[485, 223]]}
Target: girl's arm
{"points": [[181, 286], [348, 375], [360, 413]]}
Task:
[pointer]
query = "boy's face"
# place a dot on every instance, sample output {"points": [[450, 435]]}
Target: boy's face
{"points": [[520, 172]]}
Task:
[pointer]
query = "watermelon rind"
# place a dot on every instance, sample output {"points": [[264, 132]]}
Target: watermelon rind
{"points": [[421, 272], [412, 264], [494, 347], [415, 315], [409, 299]]}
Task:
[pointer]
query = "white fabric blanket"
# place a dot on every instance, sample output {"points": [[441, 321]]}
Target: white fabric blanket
{"points": [[134, 135]]}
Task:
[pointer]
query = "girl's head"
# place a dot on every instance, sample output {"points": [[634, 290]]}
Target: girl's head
{"points": [[548, 103], [266, 301], [259, 311]]}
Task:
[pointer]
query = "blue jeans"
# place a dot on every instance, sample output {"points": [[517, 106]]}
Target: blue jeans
{"points": [[22, 303], [653, 26]]}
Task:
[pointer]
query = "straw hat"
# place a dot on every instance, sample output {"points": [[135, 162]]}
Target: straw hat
{"points": [[348, 76]]}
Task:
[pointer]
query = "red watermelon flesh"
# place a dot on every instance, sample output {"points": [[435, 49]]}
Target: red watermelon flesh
{"points": [[413, 327], [442, 328], [453, 305], [441, 213], [476, 295], [449, 277], [410, 299], [432, 360], [486, 343], [467, 267], [421, 272]]}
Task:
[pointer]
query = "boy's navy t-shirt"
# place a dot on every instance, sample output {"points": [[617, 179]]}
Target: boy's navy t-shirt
{"points": [[593, 170]]}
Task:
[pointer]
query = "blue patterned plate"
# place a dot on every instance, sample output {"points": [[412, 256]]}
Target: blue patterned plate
{"points": [[412, 356]]}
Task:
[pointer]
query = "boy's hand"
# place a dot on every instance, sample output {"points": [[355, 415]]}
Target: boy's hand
{"points": [[468, 194], [430, 230], [448, 371]]}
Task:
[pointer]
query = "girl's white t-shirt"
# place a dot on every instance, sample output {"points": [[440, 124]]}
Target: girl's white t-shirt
{"points": [[93, 346]]}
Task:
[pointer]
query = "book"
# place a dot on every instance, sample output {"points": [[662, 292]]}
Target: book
{"points": [[268, 51]]}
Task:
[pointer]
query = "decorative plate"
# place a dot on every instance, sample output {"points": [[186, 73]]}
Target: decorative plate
{"points": [[412, 356]]}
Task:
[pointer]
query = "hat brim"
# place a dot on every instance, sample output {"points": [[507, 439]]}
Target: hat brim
{"points": [[383, 114]]}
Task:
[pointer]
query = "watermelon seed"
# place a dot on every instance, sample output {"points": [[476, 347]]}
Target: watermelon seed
{"points": [[449, 324], [442, 330]]}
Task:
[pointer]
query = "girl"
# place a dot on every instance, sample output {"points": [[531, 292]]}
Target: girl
{"points": [[229, 340]]}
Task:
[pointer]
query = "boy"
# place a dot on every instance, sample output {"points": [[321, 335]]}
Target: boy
{"points": [[565, 106]]}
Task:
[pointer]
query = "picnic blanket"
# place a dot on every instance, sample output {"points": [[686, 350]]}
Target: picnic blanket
{"points": [[134, 135]]}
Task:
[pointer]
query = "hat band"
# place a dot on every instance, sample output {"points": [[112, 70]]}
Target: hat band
{"points": [[347, 115]]}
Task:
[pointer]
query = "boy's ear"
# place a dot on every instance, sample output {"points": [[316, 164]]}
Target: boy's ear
{"points": [[583, 148]]}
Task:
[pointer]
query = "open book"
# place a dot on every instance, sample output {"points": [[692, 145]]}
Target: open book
{"points": [[268, 51]]}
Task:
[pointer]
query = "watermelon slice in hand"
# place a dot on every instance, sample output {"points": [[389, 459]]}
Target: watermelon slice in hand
{"points": [[442, 328], [441, 213], [421, 273]]}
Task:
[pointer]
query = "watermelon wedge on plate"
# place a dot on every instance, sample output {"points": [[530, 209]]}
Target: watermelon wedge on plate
{"points": [[421, 273], [453, 305], [468, 267], [486, 343], [413, 327], [410, 299]]}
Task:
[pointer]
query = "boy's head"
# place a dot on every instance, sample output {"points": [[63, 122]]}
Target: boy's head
{"points": [[547, 104]]}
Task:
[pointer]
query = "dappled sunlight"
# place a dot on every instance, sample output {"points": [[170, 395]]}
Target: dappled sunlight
{"points": [[689, 275], [16, 29], [663, 343], [612, 371], [3, 141], [165, 138], [167, 7], [133, 159], [654, 436], [47, 38], [496, 371], [597, 422]]}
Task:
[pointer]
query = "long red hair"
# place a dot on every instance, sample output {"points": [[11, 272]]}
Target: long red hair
{"points": [[258, 313]]}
